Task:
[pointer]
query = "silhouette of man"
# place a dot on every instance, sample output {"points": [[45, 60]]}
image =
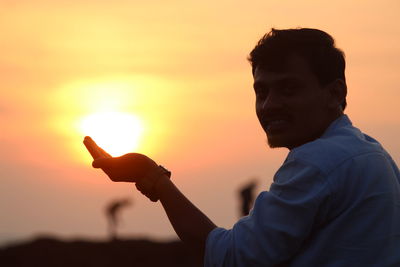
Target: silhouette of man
{"points": [[113, 210], [246, 194], [335, 201]]}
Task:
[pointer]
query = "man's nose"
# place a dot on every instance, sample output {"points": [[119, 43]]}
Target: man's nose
{"points": [[272, 101]]}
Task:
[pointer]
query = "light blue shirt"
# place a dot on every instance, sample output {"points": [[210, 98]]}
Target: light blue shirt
{"points": [[334, 202]]}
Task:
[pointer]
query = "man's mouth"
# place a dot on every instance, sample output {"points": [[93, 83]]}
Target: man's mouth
{"points": [[276, 125]]}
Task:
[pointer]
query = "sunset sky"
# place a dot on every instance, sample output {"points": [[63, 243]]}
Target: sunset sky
{"points": [[174, 74]]}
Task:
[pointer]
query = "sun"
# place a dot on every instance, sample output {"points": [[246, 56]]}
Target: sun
{"points": [[116, 132]]}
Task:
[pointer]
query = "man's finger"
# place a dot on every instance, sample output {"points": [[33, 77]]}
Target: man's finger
{"points": [[102, 163], [92, 147], [104, 153]]}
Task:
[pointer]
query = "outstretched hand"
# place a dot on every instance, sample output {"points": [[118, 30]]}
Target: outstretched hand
{"points": [[130, 167]]}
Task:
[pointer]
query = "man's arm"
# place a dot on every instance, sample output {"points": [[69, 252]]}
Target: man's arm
{"points": [[190, 224]]}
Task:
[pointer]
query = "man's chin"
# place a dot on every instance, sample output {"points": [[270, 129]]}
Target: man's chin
{"points": [[275, 145], [277, 142]]}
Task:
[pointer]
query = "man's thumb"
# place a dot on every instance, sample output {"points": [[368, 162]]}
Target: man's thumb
{"points": [[102, 162]]}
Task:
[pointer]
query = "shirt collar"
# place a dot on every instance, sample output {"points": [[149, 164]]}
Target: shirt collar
{"points": [[340, 122]]}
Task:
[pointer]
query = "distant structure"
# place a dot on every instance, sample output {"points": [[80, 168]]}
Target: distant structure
{"points": [[113, 209], [246, 196]]}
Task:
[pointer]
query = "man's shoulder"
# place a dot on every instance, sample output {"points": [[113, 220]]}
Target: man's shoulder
{"points": [[331, 150]]}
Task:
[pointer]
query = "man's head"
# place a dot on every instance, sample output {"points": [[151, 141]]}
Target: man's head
{"points": [[299, 83]]}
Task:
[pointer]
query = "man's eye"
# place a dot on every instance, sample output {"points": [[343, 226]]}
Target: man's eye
{"points": [[261, 92], [289, 90]]}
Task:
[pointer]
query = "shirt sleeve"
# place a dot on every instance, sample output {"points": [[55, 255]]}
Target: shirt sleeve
{"points": [[279, 223]]}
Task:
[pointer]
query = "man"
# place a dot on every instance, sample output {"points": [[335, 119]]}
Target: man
{"points": [[246, 195], [335, 201], [113, 210]]}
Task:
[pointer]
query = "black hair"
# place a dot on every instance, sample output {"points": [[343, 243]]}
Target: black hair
{"points": [[317, 47]]}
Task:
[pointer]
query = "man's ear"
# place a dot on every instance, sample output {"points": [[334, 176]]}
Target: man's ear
{"points": [[337, 93]]}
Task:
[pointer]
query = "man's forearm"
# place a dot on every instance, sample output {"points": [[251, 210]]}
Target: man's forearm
{"points": [[191, 225]]}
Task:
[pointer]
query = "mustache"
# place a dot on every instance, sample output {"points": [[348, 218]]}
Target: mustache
{"points": [[274, 114]]}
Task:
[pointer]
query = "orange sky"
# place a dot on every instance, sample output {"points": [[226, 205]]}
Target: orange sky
{"points": [[178, 66]]}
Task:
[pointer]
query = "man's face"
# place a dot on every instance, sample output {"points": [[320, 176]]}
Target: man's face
{"points": [[291, 105]]}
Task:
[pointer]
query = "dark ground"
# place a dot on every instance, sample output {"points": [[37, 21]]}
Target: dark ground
{"points": [[118, 253]]}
